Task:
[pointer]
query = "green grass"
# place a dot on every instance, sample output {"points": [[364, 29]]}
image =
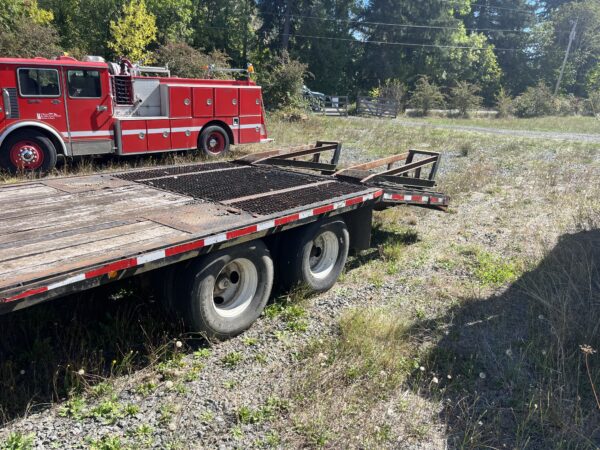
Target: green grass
{"points": [[484, 289], [585, 125]]}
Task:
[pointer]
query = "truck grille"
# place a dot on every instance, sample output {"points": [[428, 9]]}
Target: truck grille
{"points": [[14, 103]]}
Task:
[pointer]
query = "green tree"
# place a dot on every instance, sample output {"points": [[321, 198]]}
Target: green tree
{"points": [[427, 95], [28, 40], [464, 97], [133, 32], [282, 82], [14, 12], [553, 38], [187, 62], [173, 19], [506, 25]]}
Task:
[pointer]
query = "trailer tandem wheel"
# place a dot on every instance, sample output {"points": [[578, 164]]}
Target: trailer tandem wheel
{"points": [[224, 292], [315, 255]]}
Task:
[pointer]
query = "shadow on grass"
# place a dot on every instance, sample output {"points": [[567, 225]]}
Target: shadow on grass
{"points": [[510, 369], [103, 332]]}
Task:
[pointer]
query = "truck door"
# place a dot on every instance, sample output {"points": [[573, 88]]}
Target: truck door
{"points": [[89, 109], [38, 96]]}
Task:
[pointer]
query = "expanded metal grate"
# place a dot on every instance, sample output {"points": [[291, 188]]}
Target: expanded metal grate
{"points": [[295, 199], [177, 170], [226, 182]]}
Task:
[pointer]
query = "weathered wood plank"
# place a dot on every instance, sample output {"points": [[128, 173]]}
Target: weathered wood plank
{"points": [[82, 251], [76, 266], [65, 218], [20, 250]]}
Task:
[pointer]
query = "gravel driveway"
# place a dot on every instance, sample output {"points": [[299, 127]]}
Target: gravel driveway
{"points": [[574, 137]]}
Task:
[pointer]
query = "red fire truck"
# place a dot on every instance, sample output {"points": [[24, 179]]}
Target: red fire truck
{"points": [[67, 107]]}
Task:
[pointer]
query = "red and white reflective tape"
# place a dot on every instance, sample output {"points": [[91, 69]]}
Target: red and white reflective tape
{"points": [[194, 245], [414, 198]]}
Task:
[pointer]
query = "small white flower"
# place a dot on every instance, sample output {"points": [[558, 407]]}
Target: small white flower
{"points": [[80, 372], [508, 352], [422, 369], [482, 375], [22, 372], [449, 376], [178, 344], [535, 406], [435, 380], [480, 423], [544, 352], [169, 384]]}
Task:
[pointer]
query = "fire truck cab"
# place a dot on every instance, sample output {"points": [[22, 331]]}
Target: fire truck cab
{"points": [[67, 107]]}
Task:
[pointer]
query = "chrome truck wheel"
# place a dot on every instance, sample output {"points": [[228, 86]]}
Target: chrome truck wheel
{"points": [[223, 293]]}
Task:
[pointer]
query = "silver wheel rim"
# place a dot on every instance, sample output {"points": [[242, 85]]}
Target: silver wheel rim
{"points": [[323, 254], [235, 287]]}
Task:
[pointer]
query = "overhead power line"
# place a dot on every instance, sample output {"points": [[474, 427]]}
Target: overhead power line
{"points": [[503, 8], [405, 25]]}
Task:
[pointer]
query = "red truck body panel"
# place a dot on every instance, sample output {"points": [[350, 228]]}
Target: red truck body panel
{"points": [[80, 106]]}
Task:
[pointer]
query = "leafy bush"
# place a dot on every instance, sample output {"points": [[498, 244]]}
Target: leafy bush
{"points": [[187, 62], [504, 104], [426, 96], [592, 105], [282, 82], [28, 40], [536, 101], [465, 98]]}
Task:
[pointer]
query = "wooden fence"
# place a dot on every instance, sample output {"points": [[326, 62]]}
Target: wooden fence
{"points": [[378, 107], [335, 105]]}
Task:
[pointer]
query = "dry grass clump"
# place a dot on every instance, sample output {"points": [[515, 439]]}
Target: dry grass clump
{"points": [[346, 378], [564, 294]]}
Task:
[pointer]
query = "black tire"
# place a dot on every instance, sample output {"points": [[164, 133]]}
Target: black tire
{"points": [[314, 256], [214, 141], [39, 142], [245, 274]]}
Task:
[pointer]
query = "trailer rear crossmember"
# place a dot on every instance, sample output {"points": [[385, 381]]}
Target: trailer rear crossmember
{"points": [[65, 235]]}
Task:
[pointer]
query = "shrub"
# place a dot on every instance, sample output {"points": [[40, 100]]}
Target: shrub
{"points": [[28, 40], [396, 91], [187, 62], [504, 104], [282, 82], [536, 101], [592, 104], [464, 97], [427, 95]]}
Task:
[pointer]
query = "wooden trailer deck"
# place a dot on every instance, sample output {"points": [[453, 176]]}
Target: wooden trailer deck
{"points": [[64, 235]]}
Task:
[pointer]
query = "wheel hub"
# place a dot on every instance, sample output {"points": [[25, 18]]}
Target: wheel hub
{"points": [[323, 254], [235, 287], [26, 155]]}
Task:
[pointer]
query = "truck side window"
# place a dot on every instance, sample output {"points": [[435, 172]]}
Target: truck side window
{"points": [[38, 82], [84, 84]]}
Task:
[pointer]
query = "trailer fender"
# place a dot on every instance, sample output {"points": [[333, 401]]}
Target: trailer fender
{"points": [[359, 223], [50, 132]]}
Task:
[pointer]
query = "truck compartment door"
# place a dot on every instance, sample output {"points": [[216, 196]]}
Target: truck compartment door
{"points": [[180, 101], [204, 102], [159, 135], [133, 136], [226, 102]]}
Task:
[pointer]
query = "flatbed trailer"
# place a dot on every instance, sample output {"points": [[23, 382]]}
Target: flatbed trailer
{"points": [[274, 214]]}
